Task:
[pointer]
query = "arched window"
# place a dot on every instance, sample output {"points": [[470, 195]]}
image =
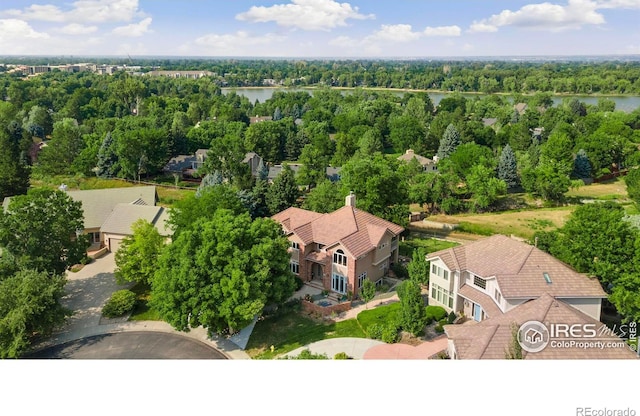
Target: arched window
{"points": [[340, 258]]}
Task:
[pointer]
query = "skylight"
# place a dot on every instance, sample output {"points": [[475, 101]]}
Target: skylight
{"points": [[547, 278]]}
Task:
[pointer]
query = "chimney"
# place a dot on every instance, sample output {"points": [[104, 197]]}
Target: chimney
{"points": [[350, 200], [409, 152]]}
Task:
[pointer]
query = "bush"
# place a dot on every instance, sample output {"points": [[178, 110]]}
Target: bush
{"points": [[390, 334], [375, 331], [440, 326], [307, 355], [435, 313], [120, 303], [452, 317], [341, 356], [400, 271], [299, 283]]}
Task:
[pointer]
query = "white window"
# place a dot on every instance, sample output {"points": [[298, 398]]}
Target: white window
{"points": [[340, 258], [442, 295], [295, 267], [361, 278], [94, 238], [479, 282], [295, 246], [497, 296], [338, 283], [439, 271]]}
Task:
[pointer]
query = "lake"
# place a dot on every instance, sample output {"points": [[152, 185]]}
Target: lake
{"points": [[626, 103]]}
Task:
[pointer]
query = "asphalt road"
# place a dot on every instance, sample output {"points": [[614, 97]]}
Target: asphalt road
{"points": [[132, 345]]}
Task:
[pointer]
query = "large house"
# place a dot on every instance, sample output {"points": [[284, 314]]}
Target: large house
{"points": [[109, 213], [341, 249], [490, 277]]}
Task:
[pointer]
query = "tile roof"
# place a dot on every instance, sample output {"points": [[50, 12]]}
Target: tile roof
{"points": [[519, 268], [180, 163], [490, 338], [97, 204], [124, 215], [358, 231], [409, 154], [484, 300]]}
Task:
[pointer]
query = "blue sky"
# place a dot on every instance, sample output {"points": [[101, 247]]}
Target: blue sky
{"points": [[320, 28]]}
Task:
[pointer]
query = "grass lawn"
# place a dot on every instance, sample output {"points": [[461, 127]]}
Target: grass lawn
{"points": [[412, 242], [292, 329], [379, 315], [520, 223], [610, 190], [169, 196], [142, 311]]}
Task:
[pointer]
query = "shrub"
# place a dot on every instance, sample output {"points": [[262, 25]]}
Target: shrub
{"points": [[120, 303], [435, 313], [307, 355], [452, 317], [400, 271], [390, 334], [299, 283], [375, 331], [440, 326], [341, 356]]}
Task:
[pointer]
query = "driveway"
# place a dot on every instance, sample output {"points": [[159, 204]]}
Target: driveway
{"points": [[83, 335]]}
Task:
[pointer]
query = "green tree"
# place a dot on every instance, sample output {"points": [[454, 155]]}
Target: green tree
{"points": [[283, 192], [581, 165], [107, 165], [514, 349], [632, 180], [413, 311], [418, 267], [14, 174], [314, 166], [65, 145], [29, 306], [367, 292], [138, 254], [39, 230], [222, 272], [485, 188], [508, 167], [323, 198], [450, 141]]}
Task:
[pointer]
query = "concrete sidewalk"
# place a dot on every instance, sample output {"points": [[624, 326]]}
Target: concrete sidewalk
{"points": [[353, 347]]}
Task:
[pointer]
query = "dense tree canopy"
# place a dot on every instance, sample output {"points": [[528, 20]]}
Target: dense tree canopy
{"points": [[222, 272], [138, 254]]}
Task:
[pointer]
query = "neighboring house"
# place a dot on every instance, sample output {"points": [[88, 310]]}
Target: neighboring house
{"points": [[333, 173], [489, 122], [428, 165], [490, 277], [337, 251], [490, 339], [109, 213], [186, 165], [181, 74], [255, 163], [521, 108]]}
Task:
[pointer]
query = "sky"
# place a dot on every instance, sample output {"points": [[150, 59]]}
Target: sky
{"points": [[320, 28]]}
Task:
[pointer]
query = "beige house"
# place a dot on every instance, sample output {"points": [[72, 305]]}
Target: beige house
{"points": [[428, 165], [491, 338], [109, 213], [337, 251], [490, 277]]}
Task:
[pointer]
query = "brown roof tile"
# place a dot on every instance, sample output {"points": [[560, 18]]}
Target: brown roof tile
{"points": [[489, 306], [519, 268]]}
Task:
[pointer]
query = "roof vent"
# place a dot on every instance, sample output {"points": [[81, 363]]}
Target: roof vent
{"points": [[547, 278]]}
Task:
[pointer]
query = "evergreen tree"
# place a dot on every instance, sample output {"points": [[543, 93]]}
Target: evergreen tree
{"points": [[508, 168], [14, 173], [581, 165], [450, 141], [210, 179], [259, 206], [107, 158], [413, 313], [284, 191], [262, 170], [277, 114]]}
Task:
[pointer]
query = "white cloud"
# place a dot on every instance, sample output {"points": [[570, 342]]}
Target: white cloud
{"points": [[81, 11], [238, 43], [443, 31], [77, 29], [134, 30], [305, 14], [618, 4], [545, 16], [394, 33], [15, 37]]}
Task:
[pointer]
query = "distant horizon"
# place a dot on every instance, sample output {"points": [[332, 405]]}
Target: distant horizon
{"points": [[340, 29]]}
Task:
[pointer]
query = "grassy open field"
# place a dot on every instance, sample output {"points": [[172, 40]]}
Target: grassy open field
{"points": [[611, 190], [519, 223]]}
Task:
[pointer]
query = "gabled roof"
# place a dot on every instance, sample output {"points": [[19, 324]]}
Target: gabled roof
{"points": [[490, 338], [357, 231], [180, 163], [519, 268], [410, 154], [97, 204], [124, 215]]}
